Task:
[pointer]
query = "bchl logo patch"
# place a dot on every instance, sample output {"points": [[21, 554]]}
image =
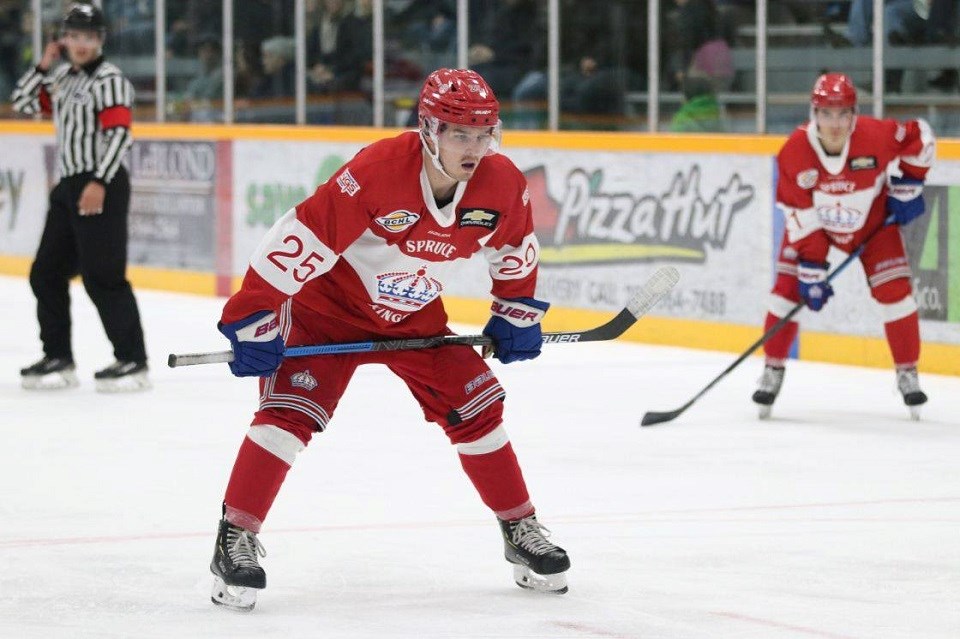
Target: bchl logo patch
{"points": [[807, 179], [863, 162], [347, 183], [303, 380], [484, 218], [397, 220]]}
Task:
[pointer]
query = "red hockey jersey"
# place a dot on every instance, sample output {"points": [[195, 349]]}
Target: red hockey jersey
{"points": [[840, 199], [370, 247]]}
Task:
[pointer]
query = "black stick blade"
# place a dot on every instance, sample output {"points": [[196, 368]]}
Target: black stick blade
{"points": [[652, 418]]}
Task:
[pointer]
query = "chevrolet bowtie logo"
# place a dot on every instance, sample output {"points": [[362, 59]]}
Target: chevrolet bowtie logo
{"points": [[477, 215]]}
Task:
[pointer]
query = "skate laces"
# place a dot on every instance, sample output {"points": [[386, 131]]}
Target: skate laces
{"points": [[908, 381], [771, 379], [243, 547], [531, 535]]}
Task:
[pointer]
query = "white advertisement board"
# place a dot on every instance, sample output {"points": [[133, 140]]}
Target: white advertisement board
{"points": [[23, 193]]}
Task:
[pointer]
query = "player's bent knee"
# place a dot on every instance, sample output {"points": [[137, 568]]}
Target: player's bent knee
{"points": [[492, 441], [277, 441], [892, 291], [292, 422], [477, 427]]}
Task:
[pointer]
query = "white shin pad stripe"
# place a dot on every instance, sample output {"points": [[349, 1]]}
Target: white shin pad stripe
{"points": [[276, 441], [898, 310], [494, 440], [780, 306]]}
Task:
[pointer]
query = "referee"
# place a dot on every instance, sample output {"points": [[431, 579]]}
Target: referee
{"points": [[86, 227]]}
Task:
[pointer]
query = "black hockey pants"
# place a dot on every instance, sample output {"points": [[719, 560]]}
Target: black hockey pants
{"points": [[95, 247]]}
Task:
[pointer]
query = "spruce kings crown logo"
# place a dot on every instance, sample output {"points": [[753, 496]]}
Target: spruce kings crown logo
{"points": [[593, 225]]}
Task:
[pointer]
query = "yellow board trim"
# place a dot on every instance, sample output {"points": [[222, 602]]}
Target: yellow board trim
{"points": [[947, 149], [593, 253]]}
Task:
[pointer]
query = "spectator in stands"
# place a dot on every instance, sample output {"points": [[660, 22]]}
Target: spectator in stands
{"points": [[696, 43], [279, 73], [10, 43], [323, 29], [505, 44], [352, 58], [601, 55], [700, 112], [432, 29], [942, 30], [902, 24], [196, 102]]}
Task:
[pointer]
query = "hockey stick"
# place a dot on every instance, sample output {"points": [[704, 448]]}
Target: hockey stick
{"points": [[652, 418], [646, 298]]}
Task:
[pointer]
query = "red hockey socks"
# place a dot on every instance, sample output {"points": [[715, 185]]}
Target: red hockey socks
{"points": [[492, 466], [903, 336], [265, 457], [778, 346]]}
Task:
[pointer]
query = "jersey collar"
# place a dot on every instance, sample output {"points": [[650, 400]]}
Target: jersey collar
{"points": [[90, 67]]}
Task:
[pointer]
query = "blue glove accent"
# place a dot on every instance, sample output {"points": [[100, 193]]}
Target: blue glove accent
{"points": [[257, 344], [905, 199], [515, 328], [814, 289]]}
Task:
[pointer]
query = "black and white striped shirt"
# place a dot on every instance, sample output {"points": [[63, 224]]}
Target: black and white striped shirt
{"points": [[91, 109]]}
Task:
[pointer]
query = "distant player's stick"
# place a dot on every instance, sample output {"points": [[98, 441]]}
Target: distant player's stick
{"points": [[646, 298], [652, 418]]}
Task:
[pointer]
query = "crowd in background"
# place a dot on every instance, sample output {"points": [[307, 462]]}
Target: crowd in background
{"points": [[603, 53]]}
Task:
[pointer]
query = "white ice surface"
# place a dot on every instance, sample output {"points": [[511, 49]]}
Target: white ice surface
{"points": [[838, 518]]}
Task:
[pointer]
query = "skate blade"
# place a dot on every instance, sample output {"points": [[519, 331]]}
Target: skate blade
{"points": [[233, 597], [914, 413], [763, 412], [50, 381], [555, 584], [126, 384]]}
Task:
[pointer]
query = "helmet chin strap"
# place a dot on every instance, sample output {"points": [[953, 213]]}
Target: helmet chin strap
{"points": [[434, 155]]}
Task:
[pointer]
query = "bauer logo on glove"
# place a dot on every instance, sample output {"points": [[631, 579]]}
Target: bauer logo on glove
{"points": [[514, 327], [905, 199]]}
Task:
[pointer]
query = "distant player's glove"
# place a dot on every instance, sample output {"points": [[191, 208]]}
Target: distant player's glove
{"points": [[905, 199], [814, 287], [515, 328], [257, 344]]}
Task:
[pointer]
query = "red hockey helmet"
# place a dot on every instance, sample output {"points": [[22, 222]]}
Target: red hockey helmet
{"points": [[833, 90], [459, 96]]}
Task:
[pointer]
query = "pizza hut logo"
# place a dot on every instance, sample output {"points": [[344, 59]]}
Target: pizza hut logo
{"points": [[347, 183]]}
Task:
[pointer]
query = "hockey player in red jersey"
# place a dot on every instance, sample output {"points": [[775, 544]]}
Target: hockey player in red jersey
{"points": [[840, 177], [367, 257]]}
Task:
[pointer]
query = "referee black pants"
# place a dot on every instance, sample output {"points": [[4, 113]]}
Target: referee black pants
{"points": [[95, 247]]}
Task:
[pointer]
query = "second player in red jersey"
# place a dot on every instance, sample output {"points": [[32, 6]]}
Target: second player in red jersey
{"points": [[840, 177]]}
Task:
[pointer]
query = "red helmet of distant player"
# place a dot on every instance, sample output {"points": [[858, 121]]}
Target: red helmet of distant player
{"points": [[458, 97], [833, 90]]}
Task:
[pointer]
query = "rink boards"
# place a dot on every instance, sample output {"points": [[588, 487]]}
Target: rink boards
{"points": [[609, 209]]}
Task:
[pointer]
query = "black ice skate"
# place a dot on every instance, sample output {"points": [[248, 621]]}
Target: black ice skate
{"points": [[121, 377], [50, 373], [537, 563], [909, 384], [237, 575], [768, 389]]}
